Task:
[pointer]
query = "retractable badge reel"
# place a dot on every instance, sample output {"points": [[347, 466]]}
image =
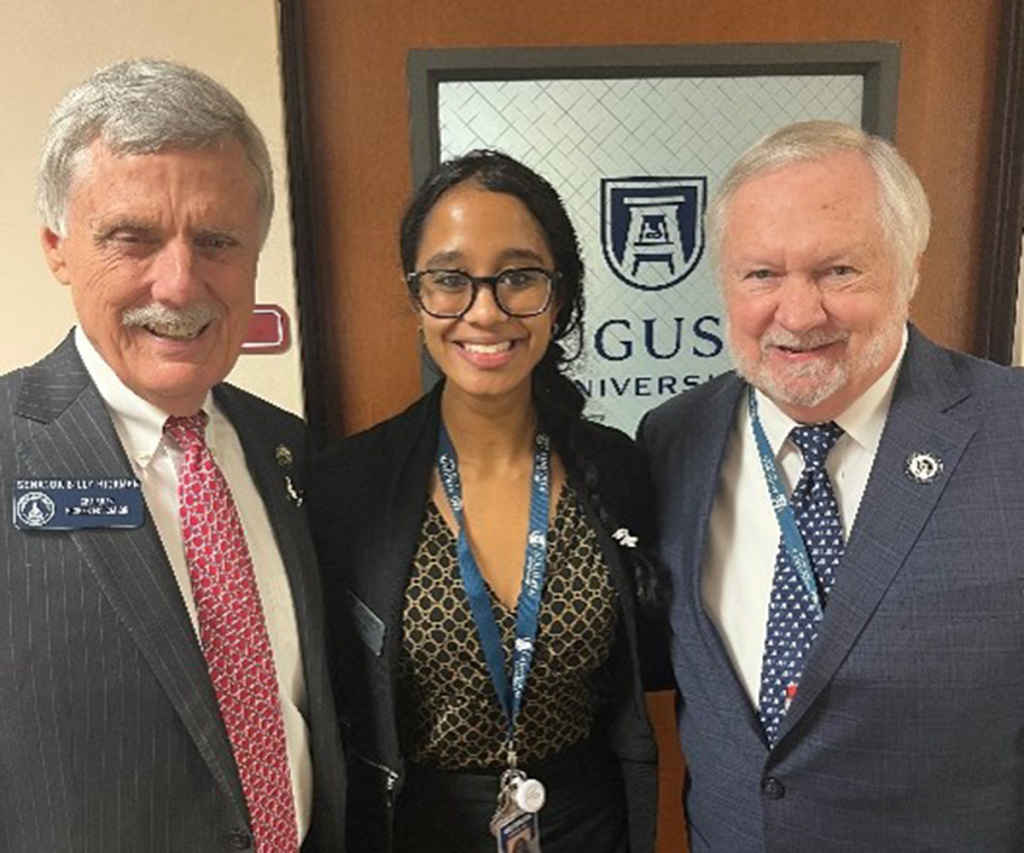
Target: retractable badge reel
{"points": [[515, 824]]}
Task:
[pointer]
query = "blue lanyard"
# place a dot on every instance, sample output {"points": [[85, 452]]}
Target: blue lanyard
{"points": [[792, 541], [510, 691]]}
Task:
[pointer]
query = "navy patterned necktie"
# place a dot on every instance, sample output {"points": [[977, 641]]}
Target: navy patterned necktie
{"points": [[792, 618]]}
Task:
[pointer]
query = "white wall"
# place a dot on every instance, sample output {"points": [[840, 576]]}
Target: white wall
{"points": [[48, 46]]}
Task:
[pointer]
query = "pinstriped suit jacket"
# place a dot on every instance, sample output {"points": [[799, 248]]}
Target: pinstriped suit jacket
{"points": [[907, 733], [110, 734]]}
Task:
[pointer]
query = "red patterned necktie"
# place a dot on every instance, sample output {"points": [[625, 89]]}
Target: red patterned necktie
{"points": [[234, 636]]}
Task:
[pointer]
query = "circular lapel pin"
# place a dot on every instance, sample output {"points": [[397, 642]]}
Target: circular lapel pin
{"points": [[923, 467], [284, 455]]}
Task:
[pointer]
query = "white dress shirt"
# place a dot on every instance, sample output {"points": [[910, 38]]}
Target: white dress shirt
{"points": [[139, 425], [743, 535]]}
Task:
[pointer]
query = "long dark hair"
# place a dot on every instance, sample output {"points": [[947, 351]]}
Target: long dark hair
{"points": [[559, 400]]}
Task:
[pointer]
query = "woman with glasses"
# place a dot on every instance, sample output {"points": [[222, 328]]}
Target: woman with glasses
{"points": [[481, 555]]}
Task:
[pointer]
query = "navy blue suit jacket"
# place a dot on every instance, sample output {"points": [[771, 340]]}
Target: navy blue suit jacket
{"points": [[908, 729]]}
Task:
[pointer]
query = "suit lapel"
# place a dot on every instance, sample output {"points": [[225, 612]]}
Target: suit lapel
{"points": [[392, 506], [76, 438], [714, 427], [408, 483], [278, 470], [281, 491], [893, 511], [272, 479]]}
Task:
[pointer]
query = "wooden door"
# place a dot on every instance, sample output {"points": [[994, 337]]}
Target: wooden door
{"points": [[348, 84]]}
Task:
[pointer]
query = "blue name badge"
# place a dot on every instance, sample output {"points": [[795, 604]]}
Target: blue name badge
{"points": [[73, 503]]}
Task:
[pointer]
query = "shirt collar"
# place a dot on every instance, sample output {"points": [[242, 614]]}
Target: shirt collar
{"points": [[139, 423], [863, 421]]}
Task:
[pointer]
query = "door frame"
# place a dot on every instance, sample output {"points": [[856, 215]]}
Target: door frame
{"points": [[877, 62], [998, 311]]}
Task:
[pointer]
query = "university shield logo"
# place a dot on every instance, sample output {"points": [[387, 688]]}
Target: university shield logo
{"points": [[652, 229]]}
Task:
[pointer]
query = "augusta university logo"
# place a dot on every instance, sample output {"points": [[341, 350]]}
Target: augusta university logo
{"points": [[652, 229]]}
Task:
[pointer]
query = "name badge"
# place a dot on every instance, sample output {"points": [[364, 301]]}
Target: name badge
{"points": [[515, 825], [519, 834], [74, 503]]}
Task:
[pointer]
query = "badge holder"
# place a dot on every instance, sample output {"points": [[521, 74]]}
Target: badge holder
{"points": [[515, 823]]}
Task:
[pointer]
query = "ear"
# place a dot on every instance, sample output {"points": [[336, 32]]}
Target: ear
{"points": [[411, 297], [556, 307], [53, 250], [910, 287]]}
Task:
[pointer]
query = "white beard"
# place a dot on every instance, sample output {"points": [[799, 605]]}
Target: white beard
{"points": [[807, 386]]}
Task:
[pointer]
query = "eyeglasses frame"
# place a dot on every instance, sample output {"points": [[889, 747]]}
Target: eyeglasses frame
{"points": [[476, 281]]}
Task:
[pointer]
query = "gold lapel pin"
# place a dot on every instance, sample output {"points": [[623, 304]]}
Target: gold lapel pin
{"points": [[285, 459]]}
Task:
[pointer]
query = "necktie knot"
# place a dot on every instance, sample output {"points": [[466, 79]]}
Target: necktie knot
{"points": [[187, 430], [815, 441]]}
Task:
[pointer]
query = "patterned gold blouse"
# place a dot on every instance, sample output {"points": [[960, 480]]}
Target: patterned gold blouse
{"points": [[449, 713]]}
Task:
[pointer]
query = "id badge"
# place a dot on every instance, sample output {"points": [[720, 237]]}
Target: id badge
{"points": [[518, 832], [515, 825]]}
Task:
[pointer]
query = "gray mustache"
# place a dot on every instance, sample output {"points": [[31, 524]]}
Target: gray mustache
{"points": [[197, 315], [808, 340]]}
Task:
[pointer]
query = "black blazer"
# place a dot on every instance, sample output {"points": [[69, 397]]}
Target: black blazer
{"points": [[368, 497], [111, 737]]}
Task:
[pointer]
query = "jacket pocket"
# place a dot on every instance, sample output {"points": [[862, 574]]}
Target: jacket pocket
{"points": [[372, 788]]}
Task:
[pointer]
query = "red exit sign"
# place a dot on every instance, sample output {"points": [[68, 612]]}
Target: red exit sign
{"points": [[269, 331]]}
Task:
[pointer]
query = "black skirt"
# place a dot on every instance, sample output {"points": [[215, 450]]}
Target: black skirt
{"points": [[441, 811]]}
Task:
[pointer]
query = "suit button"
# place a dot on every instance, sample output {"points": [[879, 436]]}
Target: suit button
{"points": [[239, 839], [773, 789]]}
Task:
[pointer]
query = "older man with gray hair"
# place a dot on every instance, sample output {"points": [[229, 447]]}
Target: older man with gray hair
{"points": [[841, 523], [162, 684]]}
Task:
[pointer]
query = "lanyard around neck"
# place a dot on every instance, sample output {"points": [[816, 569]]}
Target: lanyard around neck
{"points": [[510, 691], [792, 541]]}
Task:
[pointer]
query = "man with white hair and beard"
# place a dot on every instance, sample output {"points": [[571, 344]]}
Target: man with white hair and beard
{"points": [[162, 683], [842, 523]]}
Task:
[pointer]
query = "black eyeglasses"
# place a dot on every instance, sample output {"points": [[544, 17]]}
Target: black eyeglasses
{"points": [[519, 291]]}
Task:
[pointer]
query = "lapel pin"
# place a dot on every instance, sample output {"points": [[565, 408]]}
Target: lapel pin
{"points": [[294, 495], [923, 467], [284, 457], [622, 535]]}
